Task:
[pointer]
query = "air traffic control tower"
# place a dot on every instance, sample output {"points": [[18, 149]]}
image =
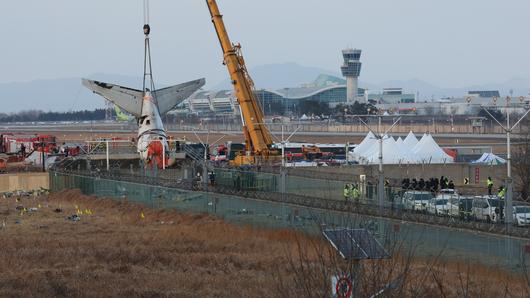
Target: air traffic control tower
{"points": [[351, 69]]}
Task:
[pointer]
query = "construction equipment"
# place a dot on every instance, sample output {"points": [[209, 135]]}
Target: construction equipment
{"points": [[258, 139], [311, 152]]}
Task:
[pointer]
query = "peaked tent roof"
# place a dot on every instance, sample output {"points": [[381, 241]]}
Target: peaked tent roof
{"points": [[428, 151], [406, 153], [490, 159], [392, 154], [366, 143], [411, 140], [420, 143]]}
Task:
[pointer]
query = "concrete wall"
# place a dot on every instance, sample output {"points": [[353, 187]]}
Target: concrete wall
{"points": [[23, 181]]}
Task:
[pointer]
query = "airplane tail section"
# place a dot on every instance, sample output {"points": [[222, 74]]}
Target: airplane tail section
{"points": [[168, 98], [130, 99]]}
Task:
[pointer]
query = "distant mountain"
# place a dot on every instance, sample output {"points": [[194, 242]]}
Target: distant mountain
{"points": [[69, 95], [277, 76], [58, 94], [324, 80]]}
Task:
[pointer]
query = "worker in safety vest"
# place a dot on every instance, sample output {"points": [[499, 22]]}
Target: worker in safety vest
{"points": [[346, 191], [489, 182], [355, 193], [502, 192]]}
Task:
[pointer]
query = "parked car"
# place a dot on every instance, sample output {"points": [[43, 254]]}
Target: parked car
{"points": [[438, 206], [416, 200], [521, 215], [487, 208], [446, 193], [465, 208]]}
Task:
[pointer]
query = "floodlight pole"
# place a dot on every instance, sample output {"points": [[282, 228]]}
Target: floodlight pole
{"points": [[508, 218], [107, 157], [282, 170], [380, 174], [163, 155]]}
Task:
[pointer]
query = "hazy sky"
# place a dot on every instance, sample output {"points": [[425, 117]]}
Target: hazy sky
{"points": [[449, 43]]}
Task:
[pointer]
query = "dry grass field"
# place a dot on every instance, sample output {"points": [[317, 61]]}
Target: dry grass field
{"points": [[118, 249]]}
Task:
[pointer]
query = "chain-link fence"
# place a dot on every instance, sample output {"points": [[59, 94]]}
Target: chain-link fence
{"points": [[266, 210]]}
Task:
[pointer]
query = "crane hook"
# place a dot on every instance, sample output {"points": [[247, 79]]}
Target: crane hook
{"points": [[147, 29]]}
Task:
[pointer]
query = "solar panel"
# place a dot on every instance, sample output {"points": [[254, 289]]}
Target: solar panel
{"points": [[355, 244]]}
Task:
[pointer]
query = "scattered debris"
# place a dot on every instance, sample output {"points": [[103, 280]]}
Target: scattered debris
{"points": [[33, 209], [74, 217], [25, 193]]}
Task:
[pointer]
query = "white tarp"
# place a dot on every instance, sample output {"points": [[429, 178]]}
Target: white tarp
{"points": [[428, 151], [490, 159], [411, 140]]}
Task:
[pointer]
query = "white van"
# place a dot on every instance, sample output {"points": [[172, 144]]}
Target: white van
{"points": [[487, 208], [416, 200]]}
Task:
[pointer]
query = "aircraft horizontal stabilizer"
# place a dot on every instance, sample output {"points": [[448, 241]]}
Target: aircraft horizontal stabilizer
{"points": [[170, 97], [130, 99], [127, 99]]}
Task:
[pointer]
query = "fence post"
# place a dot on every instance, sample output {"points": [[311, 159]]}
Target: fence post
{"points": [[163, 155], [107, 151]]}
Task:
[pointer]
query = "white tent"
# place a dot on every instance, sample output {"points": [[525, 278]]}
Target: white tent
{"points": [[419, 144], [391, 153], [490, 159], [365, 144], [405, 152], [410, 141], [428, 151]]}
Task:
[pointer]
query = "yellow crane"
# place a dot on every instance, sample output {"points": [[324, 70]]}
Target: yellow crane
{"points": [[258, 139]]}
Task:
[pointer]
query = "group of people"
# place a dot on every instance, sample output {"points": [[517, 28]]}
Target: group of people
{"points": [[351, 191], [431, 184], [502, 190]]}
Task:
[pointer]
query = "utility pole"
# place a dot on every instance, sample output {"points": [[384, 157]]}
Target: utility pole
{"points": [[380, 174], [509, 180], [43, 157]]}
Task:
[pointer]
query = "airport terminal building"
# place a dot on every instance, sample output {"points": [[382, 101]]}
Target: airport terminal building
{"points": [[223, 102]]}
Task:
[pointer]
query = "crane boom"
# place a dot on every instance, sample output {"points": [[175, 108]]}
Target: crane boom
{"points": [[258, 137]]}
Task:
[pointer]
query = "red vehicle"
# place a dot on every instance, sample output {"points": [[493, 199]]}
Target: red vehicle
{"points": [[11, 143]]}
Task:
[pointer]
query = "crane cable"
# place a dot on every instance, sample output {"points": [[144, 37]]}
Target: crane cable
{"points": [[146, 11], [148, 69]]}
